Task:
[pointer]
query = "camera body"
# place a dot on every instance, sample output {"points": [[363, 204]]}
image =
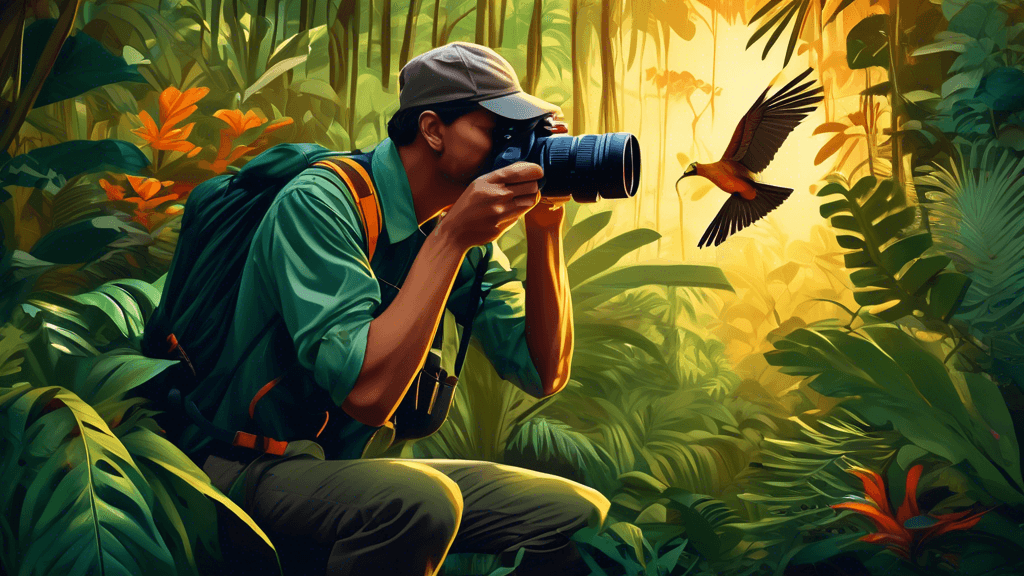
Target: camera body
{"points": [[588, 168]]}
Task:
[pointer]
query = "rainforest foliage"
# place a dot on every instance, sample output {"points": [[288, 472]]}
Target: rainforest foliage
{"points": [[845, 399]]}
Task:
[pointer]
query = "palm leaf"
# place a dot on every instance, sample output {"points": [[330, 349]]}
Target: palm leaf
{"points": [[87, 508], [892, 273], [886, 376]]}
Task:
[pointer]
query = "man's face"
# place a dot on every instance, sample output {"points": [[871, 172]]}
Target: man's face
{"points": [[467, 146]]}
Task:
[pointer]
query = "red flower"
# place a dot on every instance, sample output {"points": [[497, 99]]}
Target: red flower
{"points": [[892, 530]]}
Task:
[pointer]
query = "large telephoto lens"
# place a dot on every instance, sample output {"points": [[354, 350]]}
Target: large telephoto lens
{"points": [[590, 167]]}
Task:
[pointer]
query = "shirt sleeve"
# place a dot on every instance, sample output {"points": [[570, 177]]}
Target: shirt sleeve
{"points": [[500, 321], [313, 254]]}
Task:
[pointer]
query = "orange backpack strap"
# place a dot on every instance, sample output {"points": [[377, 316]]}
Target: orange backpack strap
{"points": [[354, 175]]}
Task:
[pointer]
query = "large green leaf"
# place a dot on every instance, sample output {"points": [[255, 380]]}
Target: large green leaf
{"points": [[83, 64], [87, 507], [580, 234], [867, 44], [608, 254], [186, 496], [37, 167], [80, 242], [888, 378], [614, 282], [892, 272]]}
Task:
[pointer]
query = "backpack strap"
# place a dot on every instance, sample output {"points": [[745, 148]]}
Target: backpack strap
{"points": [[359, 183]]}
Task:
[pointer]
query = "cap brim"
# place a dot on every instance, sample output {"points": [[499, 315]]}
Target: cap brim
{"points": [[520, 106]]}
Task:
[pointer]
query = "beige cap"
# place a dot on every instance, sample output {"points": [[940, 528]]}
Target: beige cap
{"points": [[466, 71]]}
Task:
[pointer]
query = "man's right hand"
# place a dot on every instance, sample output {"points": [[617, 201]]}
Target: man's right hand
{"points": [[492, 203]]}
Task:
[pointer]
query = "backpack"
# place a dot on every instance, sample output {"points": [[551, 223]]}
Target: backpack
{"points": [[200, 293]]}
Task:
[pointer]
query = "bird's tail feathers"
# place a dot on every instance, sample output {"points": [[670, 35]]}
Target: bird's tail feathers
{"points": [[769, 196]]}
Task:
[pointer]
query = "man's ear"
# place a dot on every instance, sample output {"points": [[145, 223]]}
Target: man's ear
{"points": [[431, 128]]}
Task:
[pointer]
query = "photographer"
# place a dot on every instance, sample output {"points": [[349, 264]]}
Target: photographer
{"points": [[354, 332]]}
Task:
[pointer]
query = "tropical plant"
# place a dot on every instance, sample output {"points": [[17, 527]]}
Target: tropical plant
{"points": [[977, 220], [89, 483], [889, 378], [907, 529]]}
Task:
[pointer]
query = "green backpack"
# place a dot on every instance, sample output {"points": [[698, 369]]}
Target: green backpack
{"points": [[197, 305]]}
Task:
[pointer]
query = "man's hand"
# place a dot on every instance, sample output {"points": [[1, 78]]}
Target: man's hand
{"points": [[548, 213], [492, 203]]}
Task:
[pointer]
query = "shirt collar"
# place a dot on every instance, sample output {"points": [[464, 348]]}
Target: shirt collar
{"points": [[389, 174]]}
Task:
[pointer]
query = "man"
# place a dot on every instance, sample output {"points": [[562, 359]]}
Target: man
{"points": [[308, 267]]}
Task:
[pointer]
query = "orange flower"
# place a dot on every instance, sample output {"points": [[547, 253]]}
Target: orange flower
{"points": [[175, 106], [114, 192], [148, 191], [892, 528], [238, 124]]}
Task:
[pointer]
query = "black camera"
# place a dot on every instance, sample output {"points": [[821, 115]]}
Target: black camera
{"points": [[588, 168]]}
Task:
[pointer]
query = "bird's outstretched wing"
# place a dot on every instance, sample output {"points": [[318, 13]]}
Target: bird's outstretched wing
{"points": [[738, 213], [768, 123]]}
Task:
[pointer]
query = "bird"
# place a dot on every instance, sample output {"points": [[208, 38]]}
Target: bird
{"points": [[757, 138]]}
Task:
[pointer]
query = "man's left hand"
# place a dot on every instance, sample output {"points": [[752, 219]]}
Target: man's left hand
{"points": [[547, 213]]}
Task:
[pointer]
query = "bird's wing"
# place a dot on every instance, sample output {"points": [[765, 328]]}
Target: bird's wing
{"points": [[738, 213], [767, 124]]}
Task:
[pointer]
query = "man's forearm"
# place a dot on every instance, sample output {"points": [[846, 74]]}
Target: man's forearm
{"points": [[549, 330], [400, 338]]}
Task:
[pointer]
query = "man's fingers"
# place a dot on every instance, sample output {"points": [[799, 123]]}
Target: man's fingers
{"points": [[515, 173], [523, 188]]}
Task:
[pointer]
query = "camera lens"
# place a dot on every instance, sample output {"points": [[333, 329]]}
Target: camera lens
{"points": [[590, 167]]}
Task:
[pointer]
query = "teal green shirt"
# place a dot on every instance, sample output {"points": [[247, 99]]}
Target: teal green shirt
{"points": [[308, 294]]}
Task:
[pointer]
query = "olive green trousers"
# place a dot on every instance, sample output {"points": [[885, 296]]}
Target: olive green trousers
{"points": [[402, 517]]}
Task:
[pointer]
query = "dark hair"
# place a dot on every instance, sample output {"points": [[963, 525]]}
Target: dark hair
{"points": [[405, 124]]}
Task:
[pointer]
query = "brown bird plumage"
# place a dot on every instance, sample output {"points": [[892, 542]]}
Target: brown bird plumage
{"points": [[757, 138]]}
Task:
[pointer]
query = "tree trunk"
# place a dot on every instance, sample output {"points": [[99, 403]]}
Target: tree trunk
{"points": [[607, 71], [481, 22], [895, 60], [369, 35], [409, 37], [501, 24], [578, 88], [354, 74], [304, 15], [533, 48], [492, 32], [433, 32], [16, 114], [385, 45]]}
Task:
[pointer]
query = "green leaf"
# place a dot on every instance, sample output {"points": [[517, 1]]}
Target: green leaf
{"points": [[162, 455], [69, 159], [82, 64], [947, 293], [580, 234], [921, 272], [88, 508], [867, 44], [633, 536], [896, 256], [272, 73], [83, 241], [608, 254]]}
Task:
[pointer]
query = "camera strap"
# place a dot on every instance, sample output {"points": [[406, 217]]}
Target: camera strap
{"points": [[476, 297]]}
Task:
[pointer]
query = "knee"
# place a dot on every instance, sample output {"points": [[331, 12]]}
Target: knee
{"points": [[587, 506], [433, 497]]}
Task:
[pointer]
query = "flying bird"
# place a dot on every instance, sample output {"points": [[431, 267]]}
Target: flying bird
{"points": [[760, 133]]}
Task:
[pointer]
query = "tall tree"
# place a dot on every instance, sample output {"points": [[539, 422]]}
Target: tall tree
{"points": [[534, 47], [409, 37], [481, 22], [369, 34], [579, 96], [385, 45], [608, 101], [501, 23]]}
